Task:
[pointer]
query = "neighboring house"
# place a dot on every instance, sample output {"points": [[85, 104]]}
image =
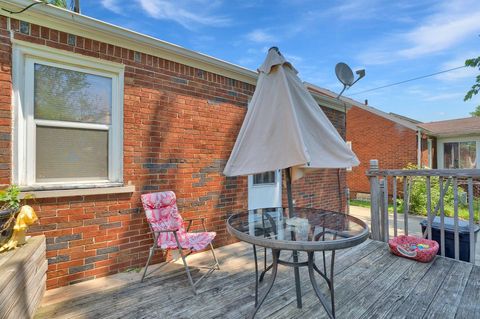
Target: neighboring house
{"points": [[458, 142], [395, 141], [93, 115]]}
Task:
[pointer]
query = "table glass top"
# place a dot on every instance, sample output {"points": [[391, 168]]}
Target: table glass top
{"points": [[306, 225]]}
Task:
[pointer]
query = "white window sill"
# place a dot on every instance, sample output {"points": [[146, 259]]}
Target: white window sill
{"points": [[51, 193]]}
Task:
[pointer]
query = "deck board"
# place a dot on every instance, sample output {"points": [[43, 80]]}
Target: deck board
{"points": [[369, 283], [387, 304], [450, 293], [419, 299], [470, 304]]}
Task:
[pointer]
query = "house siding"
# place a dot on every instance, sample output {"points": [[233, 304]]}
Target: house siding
{"points": [[180, 124]]}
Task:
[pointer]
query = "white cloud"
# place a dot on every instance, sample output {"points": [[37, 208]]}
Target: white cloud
{"points": [[354, 10], [432, 94], [261, 36], [443, 31], [459, 74], [450, 25], [112, 5], [444, 96], [293, 58], [187, 14]]}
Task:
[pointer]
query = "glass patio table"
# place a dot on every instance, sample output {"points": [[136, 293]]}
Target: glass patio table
{"points": [[307, 230]]}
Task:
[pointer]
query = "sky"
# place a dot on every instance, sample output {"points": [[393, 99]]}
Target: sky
{"points": [[392, 40]]}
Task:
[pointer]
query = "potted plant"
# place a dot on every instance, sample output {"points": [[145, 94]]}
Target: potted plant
{"points": [[9, 206]]}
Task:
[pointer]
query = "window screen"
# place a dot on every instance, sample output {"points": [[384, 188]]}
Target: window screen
{"points": [[71, 154]]}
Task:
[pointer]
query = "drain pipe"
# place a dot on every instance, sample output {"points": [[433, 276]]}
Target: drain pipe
{"points": [[419, 149]]}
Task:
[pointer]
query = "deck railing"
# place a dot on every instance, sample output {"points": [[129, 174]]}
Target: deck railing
{"points": [[380, 199]]}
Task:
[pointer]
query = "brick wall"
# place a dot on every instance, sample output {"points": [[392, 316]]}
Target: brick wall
{"points": [[180, 124], [375, 137], [323, 188]]}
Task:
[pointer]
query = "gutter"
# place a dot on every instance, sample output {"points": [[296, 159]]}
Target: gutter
{"points": [[326, 100], [419, 148]]}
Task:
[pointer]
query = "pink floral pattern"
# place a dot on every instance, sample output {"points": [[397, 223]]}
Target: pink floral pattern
{"points": [[162, 214], [426, 255]]}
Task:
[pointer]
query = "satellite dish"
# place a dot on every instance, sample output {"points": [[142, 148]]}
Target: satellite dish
{"points": [[345, 76]]}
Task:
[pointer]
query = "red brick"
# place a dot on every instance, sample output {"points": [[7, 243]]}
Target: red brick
{"points": [[174, 139], [376, 137]]}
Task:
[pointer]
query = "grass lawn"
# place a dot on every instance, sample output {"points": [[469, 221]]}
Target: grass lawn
{"points": [[462, 211]]}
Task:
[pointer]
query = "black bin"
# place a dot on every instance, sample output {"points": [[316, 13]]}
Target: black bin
{"points": [[463, 234]]}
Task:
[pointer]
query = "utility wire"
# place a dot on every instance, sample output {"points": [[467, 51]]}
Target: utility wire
{"points": [[24, 9], [405, 81]]}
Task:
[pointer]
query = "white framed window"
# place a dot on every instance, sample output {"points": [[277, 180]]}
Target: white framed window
{"points": [[460, 154], [69, 119], [265, 178]]}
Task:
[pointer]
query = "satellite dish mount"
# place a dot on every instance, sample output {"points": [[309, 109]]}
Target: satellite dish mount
{"points": [[345, 76]]}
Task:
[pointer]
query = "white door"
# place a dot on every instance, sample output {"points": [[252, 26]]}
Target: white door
{"points": [[265, 190]]}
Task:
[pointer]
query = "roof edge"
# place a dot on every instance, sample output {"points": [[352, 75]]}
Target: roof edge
{"points": [[326, 100], [370, 109], [389, 117], [78, 24]]}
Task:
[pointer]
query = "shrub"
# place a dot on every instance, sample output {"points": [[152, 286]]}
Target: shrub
{"points": [[418, 195]]}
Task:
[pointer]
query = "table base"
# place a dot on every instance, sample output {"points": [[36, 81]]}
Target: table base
{"points": [[312, 268]]}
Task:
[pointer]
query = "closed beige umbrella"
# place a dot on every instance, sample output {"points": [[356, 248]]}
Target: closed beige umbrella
{"points": [[285, 128]]}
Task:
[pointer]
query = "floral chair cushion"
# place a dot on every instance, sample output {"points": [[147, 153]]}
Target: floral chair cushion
{"points": [[162, 214]]}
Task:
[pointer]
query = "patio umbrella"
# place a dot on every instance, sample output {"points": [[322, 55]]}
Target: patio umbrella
{"points": [[284, 128]]}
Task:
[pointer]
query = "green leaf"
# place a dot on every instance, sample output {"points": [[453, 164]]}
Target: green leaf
{"points": [[474, 63]]}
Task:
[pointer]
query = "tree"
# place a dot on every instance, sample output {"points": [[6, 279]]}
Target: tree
{"points": [[474, 63], [59, 3], [476, 112]]}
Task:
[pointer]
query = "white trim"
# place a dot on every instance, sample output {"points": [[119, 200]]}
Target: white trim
{"points": [[74, 23], [270, 194], [430, 155], [326, 100], [79, 125], [25, 55], [78, 192], [30, 141], [81, 62]]}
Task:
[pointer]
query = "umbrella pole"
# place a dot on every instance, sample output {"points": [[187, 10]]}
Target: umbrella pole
{"points": [[288, 178]]}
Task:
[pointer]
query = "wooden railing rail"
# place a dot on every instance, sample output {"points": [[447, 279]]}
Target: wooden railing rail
{"points": [[424, 172], [454, 178]]}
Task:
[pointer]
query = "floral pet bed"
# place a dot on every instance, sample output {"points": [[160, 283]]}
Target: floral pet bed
{"points": [[413, 247]]}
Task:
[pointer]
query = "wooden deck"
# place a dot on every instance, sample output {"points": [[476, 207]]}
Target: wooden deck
{"points": [[369, 283]]}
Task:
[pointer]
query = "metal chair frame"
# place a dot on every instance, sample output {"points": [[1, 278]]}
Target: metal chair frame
{"points": [[215, 266]]}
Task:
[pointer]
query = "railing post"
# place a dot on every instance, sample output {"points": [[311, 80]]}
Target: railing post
{"points": [[375, 196], [382, 212]]}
